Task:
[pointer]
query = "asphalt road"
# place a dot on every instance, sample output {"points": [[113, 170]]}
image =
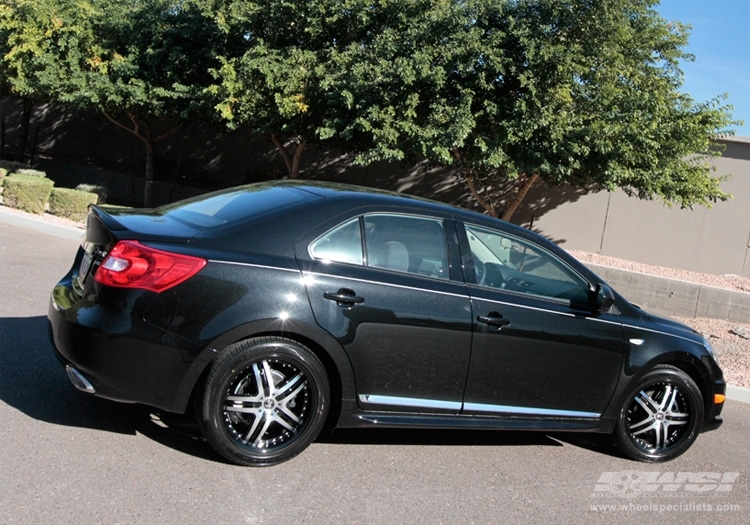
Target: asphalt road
{"points": [[66, 457]]}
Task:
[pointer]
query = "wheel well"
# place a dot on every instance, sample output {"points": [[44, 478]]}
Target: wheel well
{"points": [[691, 370], [334, 378]]}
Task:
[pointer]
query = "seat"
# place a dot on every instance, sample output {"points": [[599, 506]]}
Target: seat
{"points": [[396, 256]]}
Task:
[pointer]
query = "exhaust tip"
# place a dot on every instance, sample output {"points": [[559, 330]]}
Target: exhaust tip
{"points": [[80, 382]]}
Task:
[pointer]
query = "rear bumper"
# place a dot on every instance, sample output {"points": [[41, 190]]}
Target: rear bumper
{"points": [[121, 359]]}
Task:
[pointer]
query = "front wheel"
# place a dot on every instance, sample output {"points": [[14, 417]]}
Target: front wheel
{"points": [[265, 400], [661, 417]]}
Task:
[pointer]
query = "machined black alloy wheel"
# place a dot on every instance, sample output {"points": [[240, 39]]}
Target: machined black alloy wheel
{"points": [[265, 401], [661, 417]]}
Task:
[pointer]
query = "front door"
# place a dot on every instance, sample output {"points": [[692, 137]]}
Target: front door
{"points": [[538, 348]]}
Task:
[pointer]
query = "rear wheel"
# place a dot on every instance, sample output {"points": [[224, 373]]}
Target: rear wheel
{"points": [[265, 400], [661, 417]]}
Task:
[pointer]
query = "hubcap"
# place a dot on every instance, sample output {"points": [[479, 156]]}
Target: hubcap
{"points": [[267, 404], [658, 417]]}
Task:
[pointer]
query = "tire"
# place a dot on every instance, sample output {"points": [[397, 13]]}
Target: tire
{"points": [[661, 417], [253, 421]]}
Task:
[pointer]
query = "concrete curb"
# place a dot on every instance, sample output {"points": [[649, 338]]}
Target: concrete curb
{"points": [[738, 393], [734, 393], [30, 223]]}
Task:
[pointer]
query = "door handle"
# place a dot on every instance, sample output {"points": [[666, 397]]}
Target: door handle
{"points": [[344, 297], [493, 319]]}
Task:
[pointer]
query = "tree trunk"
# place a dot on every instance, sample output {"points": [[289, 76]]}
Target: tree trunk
{"points": [[148, 189], [23, 138], [292, 161], [142, 130], [482, 201], [524, 185]]}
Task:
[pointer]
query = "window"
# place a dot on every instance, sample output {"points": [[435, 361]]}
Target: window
{"points": [[400, 243], [512, 264], [406, 244], [342, 244]]}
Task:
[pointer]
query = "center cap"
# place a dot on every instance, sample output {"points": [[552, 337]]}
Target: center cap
{"points": [[660, 416], [269, 403]]}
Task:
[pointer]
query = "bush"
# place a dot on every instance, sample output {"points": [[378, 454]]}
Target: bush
{"points": [[101, 191], [27, 193], [71, 204], [12, 166], [30, 172]]}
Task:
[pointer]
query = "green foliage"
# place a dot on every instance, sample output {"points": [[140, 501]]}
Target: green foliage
{"points": [[71, 204], [100, 191], [504, 92], [27, 193], [137, 62], [562, 91]]}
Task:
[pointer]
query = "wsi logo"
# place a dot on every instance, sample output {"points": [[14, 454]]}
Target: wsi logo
{"points": [[631, 483]]}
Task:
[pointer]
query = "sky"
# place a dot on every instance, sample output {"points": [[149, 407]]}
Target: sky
{"points": [[720, 41]]}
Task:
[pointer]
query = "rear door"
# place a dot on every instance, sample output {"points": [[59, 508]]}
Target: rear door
{"points": [[382, 284]]}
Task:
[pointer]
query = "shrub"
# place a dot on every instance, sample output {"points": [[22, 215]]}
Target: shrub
{"points": [[71, 204], [30, 173], [27, 193], [12, 166], [101, 191], [3, 173]]}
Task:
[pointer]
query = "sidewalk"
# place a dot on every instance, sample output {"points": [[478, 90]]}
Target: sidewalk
{"points": [[13, 218], [23, 220]]}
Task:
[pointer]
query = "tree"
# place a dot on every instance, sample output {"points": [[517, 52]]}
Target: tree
{"points": [[561, 91], [24, 28], [264, 85], [507, 93], [139, 62]]}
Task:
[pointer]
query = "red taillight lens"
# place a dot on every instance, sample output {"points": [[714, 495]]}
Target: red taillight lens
{"points": [[130, 264]]}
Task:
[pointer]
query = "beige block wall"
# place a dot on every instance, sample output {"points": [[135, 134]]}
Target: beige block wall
{"points": [[705, 240]]}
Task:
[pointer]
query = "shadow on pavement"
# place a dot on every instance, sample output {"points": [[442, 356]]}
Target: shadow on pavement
{"points": [[599, 443], [34, 382]]}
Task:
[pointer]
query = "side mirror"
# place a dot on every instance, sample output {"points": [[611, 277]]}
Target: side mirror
{"points": [[605, 298]]}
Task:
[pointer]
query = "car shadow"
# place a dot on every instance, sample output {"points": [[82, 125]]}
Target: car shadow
{"points": [[34, 382], [599, 443]]}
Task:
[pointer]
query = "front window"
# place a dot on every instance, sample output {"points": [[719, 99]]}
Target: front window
{"points": [[509, 263]]}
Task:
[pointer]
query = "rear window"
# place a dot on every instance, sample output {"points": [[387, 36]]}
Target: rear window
{"points": [[221, 208]]}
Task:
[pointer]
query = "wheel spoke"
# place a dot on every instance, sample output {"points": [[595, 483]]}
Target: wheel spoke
{"points": [[255, 435], [647, 402], [281, 393], [643, 426], [265, 380]]}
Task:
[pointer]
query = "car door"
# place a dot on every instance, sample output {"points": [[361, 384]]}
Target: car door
{"points": [[539, 349], [381, 283]]}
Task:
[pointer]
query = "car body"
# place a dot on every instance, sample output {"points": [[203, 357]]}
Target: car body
{"points": [[276, 308]]}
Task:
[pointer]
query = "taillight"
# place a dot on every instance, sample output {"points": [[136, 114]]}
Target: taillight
{"points": [[130, 264]]}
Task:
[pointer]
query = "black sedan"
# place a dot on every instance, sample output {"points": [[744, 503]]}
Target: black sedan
{"points": [[276, 309]]}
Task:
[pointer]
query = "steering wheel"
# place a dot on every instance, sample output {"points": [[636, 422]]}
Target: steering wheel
{"points": [[480, 270]]}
